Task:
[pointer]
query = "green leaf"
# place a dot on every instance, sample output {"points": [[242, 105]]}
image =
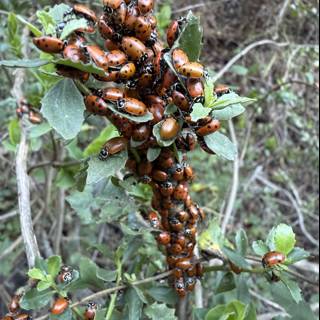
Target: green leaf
{"points": [[47, 21], [140, 294], [284, 239], [221, 145], [88, 274], [85, 67], [157, 311], [228, 112], [31, 27], [212, 238], [242, 242], [99, 170], [209, 94], [36, 274], [250, 312], [63, 107], [293, 288], [296, 255], [142, 119], [14, 131], [226, 284], [164, 16], [199, 112], [26, 63], [230, 99], [236, 259], [156, 133], [260, 248], [163, 294], [153, 154], [72, 26], [218, 313], [133, 305], [35, 300], [37, 131], [54, 265], [107, 275], [190, 39], [58, 12], [43, 285], [95, 146]]}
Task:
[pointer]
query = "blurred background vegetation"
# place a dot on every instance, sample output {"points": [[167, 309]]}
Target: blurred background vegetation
{"points": [[277, 173]]}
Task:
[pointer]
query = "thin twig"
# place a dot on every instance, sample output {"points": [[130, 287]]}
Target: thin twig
{"points": [[23, 183], [235, 183], [54, 164], [8, 215], [191, 7], [198, 292], [244, 52]]}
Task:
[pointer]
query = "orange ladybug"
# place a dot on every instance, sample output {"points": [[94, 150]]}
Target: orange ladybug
{"points": [[96, 105], [111, 5], [154, 220], [145, 6], [14, 305], [169, 129], [83, 10], [164, 238], [116, 58], [132, 106], [192, 70], [112, 94], [113, 146], [272, 259], [127, 71], [90, 311], [179, 58], [134, 49], [60, 306], [174, 31], [49, 44], [221, 89], [213, 126], [196, 89], [181, 101], [98, 56], [141, 133], [74, 53], [167, 189], [180, 287]]}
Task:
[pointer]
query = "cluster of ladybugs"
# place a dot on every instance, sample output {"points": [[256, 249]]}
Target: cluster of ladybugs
{"points": [[15, 310], [134, 58]]}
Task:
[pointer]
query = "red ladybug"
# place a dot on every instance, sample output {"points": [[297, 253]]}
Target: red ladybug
{"points": [[184, 265], [213, 126], [221, 89], [175, 249], [145, 6], [143, 28], [113, 146], [116, 58], [131, 18], [183, 216], [174, 31], [181, 101], [159, 176], [90, 311], [180, 288], [119, 15], [112, 94], [167, 189], [141, 133], [35, 117], [196, 90], [132, 106], [134, 49], [111, 5], [169, 129], [179, 58], [164, 238], [272, 259], [74, 53], [107, 32], [111, 45], [169, 79], [180, 193], [60, 306], [83, 10], [154, 220], [192, 70], [96, 105], [98, 56], [145, 168], [176, 225], [49, 44]]}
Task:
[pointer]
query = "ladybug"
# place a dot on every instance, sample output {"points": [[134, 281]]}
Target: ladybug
{"points": [[134, 49], [169, 129], [169, 79], [65, 277], [90, 311], [183, 216], [49, 44], [272, 259], [181, 240], [190, 232], [7, 318], [112, 94], [179, 58], [112, 76], [177, 273], [14, 305], [23, 316], [60, 306], [159, 64], [111, 5], [141, 132], [96, 105], [143, 28], [35, 117], [111, 45], [167, 189], [213, 126], [157, 111], [196, 90], [167, 163], [131, 19], [221, 89], [147, 180], [116, 58], [184, 265], [186, 143], [180, 287], [176, 225], [98, 56], [131, 165], [192, 70], [175, 249], [145, 168], [199, 270], [178, 173], [119, 15], [74, 53], [181, 101], [80, 9], [113, 146], [145, 6], [194, 212], [164, 238], [145, 81], [188, 172], [190, 283], [172, 261], [159, 176], [188, 202], [127, 71], [174, 31], [180, 193], [132, 106], [69, 72], [154, 220], [107, 32]]}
